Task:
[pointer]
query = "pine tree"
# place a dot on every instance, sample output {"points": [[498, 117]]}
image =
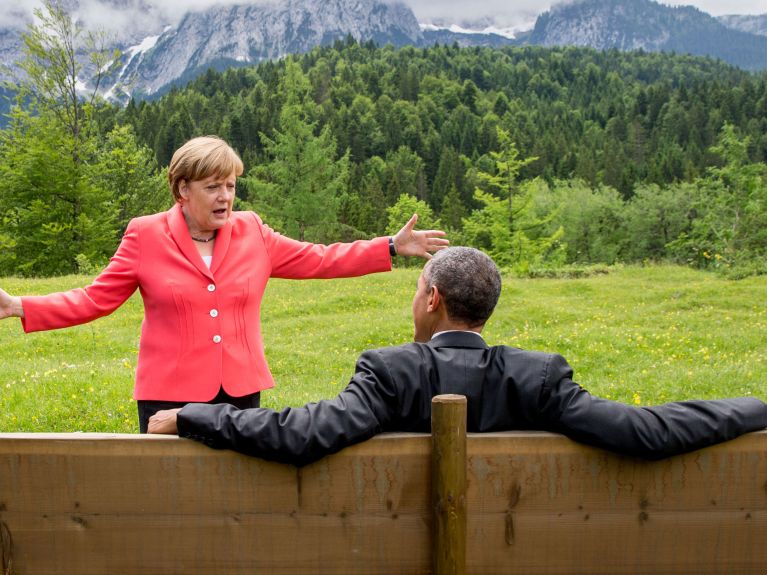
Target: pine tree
{"points": [[299, 188], [453, 211], [507, 226]]}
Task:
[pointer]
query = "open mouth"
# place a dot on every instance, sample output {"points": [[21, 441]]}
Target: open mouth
{"points": [[220, 212]]}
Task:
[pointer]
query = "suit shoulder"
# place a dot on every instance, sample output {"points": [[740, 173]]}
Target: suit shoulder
{"points": [[245, 218], [396, 352], [401, 362], [246, 223], [548, 363], [522, 354], [148, 226], [150, 220]]}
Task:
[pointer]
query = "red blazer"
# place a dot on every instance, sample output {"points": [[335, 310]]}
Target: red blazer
{"points": [[202, 327]]}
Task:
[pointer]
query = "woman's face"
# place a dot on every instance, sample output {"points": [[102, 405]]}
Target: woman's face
{"points": [[207, 203]]}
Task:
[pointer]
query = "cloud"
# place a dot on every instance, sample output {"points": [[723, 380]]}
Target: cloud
{"points": [[19, 14], [130, 20], [171, 12], [121, 19], [717, 7], [140, 18]]}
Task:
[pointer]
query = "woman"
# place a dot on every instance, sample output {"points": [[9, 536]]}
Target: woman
{"points": [[202, 270]]}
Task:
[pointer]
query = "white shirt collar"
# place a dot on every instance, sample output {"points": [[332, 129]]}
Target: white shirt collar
{"points": [[459, 331]]}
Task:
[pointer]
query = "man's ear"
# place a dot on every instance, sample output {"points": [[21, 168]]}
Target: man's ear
{"points": [[434, 299]]}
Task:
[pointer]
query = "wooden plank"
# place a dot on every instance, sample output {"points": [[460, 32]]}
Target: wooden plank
{"points": [[534, 470], [375, 477], [242, 543], [595, 542]]}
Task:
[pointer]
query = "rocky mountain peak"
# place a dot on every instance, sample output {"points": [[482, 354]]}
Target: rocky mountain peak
{"points": [[650, 26], [249, 33]]}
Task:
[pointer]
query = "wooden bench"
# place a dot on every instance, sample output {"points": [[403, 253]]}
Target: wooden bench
{"points": [[536, 503]]}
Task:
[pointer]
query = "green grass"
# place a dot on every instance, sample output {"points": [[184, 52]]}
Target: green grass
{"points": [[637, 335]]}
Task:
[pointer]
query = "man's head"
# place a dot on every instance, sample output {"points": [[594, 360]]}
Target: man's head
{"points": [[458, 289]]}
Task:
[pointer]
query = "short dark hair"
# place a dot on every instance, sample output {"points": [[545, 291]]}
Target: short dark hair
{"points": [[469, 282]]}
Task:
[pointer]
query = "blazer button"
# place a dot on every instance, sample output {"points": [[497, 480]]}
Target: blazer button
{"points": [[216, 339], [214, 313], [211, 287]]}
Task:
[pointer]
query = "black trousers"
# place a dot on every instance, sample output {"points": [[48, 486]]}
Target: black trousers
{"points": [[147, 409]]}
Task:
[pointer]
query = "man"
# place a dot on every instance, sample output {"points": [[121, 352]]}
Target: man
{"points": [[506, 388]]}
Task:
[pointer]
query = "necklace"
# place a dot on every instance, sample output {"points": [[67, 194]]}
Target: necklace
{"points": [[205, 241]]}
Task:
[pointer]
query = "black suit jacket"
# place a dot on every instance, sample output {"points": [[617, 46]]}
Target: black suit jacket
{"points": [[506, 388]]}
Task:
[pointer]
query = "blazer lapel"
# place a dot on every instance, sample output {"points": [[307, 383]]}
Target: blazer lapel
{"points": [[183, 239], [223, 239]]}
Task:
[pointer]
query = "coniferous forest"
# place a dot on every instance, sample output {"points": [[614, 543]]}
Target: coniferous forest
{"points": [[543, 157]]}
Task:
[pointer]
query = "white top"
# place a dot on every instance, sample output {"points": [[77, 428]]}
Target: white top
{"points": [[208, 260]]}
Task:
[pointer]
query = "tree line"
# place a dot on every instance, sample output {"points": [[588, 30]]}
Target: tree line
{"points": [[540, 156]]}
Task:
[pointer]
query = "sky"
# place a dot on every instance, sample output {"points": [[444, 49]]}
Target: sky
{"points": [[512, 14]]}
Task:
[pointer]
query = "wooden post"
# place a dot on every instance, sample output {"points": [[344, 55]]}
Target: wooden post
{"points": [[448, 484]]}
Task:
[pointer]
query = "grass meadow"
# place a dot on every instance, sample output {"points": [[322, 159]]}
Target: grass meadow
{"points": [[641, 335]]}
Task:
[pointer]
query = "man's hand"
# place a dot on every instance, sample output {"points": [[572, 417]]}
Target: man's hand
{"points": [[422, 243], [10, 306], [164, 421]]}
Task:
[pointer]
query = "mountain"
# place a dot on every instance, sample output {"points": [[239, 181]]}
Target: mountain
{"points": [[746, 23], [225, 36], [647, 25]]}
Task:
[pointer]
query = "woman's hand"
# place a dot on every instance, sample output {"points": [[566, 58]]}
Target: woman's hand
{"points": [[10, 306], [422, 243]]}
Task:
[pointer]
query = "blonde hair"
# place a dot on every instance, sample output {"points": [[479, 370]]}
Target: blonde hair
{"points": [[201, 158]]}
